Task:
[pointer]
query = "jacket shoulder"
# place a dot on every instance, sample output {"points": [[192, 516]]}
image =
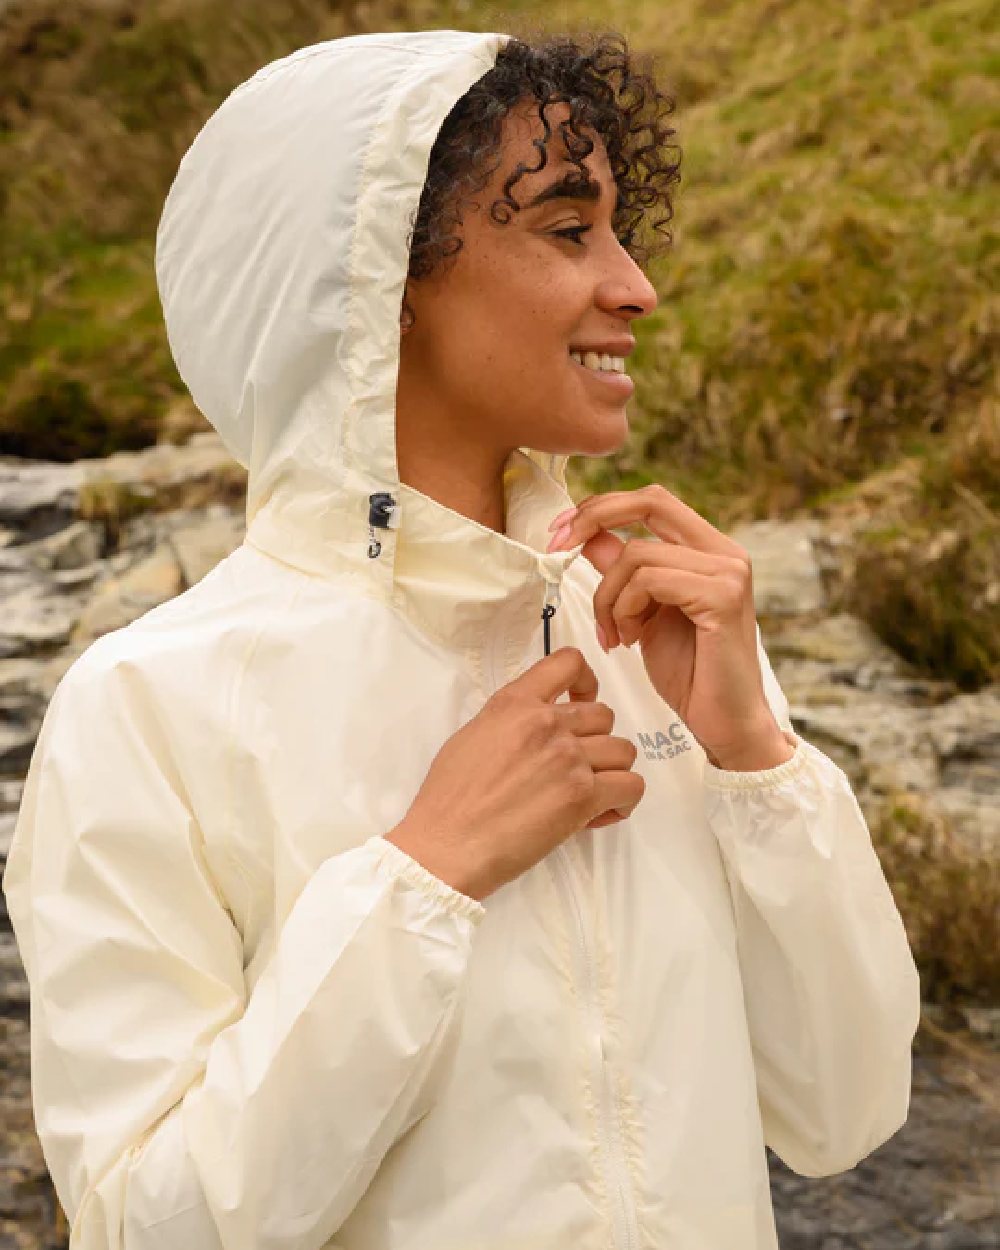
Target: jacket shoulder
{"points": [[201, 624]]}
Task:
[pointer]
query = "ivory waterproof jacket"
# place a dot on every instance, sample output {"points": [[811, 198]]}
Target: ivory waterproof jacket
{"points": [[258, 1025]]}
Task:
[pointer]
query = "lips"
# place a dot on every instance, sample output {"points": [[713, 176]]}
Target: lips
{"points": [[618, 385], [623, 345]]}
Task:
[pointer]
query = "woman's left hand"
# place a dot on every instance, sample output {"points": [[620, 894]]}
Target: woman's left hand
{"points": [[687, 597]]}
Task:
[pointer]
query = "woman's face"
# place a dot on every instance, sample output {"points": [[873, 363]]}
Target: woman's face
{"points": [[487, 361]]}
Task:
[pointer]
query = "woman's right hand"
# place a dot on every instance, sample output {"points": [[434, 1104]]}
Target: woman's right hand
{"points": [[520, 777]]}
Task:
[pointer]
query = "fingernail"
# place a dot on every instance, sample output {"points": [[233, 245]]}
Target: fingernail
{"points": [[602, 639], [558, 520], [558, 537]]}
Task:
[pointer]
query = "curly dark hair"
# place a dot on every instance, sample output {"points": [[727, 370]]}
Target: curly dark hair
{"points": [[608, 88]]}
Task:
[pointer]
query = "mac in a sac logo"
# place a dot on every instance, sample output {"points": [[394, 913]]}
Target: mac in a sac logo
{"points": [[664, 746]]}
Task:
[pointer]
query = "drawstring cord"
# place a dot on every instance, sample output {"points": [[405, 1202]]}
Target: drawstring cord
{"points": [[381, 512]]}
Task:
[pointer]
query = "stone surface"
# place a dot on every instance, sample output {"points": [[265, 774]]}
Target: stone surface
{"points": [[198, 548], [933, 1186], [787, 580], [121, 600]]}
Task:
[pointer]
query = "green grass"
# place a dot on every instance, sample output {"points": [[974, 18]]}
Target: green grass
{"points": [[827, 311]]}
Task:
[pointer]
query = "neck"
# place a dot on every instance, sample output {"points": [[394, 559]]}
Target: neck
{"points": [[469, 481]]}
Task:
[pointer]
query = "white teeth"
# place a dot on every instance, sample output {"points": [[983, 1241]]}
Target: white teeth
{"points": [[601, 362]]}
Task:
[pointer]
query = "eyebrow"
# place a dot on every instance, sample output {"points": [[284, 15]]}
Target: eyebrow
{"points": [[565, 188]]}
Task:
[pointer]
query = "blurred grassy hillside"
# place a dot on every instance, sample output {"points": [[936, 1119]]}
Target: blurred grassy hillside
{"points": [[827, 331]]}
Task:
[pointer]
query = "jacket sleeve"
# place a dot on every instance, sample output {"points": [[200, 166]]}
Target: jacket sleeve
{"points": [[174, 1109], [831, 990]]}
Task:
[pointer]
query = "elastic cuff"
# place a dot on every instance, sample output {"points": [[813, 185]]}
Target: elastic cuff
{"points": [[414, 873], [762, 778]]}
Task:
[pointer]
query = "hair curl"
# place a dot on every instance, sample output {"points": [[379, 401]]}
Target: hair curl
{"points": [[608, 88]]}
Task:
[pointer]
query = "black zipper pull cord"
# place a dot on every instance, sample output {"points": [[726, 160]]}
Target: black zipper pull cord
{"points": [[380, 508], [548, 611]]}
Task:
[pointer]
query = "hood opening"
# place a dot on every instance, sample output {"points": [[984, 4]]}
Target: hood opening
{"points": [[281, 260]]}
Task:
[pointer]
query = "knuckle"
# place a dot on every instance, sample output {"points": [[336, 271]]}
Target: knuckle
{"points": [[634, 553], [741, 554], [737, 587], [566, 750], [742, 569], [579, 781], [503, 697]]}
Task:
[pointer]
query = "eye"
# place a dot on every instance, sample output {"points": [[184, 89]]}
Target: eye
{"points": [[573, 232]]}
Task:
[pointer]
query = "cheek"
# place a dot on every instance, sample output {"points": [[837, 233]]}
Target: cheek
{"points": [[512, 322], [507, 337]]}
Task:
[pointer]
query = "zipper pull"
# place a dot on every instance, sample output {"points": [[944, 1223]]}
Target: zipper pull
{"points": [[549, 610], [383, 511]]}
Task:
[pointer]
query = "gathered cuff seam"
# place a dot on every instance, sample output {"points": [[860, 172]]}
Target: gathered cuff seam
{"points": [[414, 873], [762, 778]]}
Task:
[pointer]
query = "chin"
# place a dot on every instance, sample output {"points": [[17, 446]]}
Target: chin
{"points": [[603, 436], [581, 433]]}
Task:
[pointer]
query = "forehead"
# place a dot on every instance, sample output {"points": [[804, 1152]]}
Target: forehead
{"points": [[521, 126]]}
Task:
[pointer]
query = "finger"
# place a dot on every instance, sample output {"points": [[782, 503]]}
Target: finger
{"points": [[644, 553], [605, 751], [587, 718], [606, 818], [659, 510], [617, 788], [564, 671], [705, 600]]}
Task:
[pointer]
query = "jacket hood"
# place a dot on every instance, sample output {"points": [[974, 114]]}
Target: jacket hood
{"points": [[281, 258]]}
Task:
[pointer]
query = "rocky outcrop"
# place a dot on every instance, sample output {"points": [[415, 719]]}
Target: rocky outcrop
{"points": [[64, 580], [889, 728], [86, 548]]}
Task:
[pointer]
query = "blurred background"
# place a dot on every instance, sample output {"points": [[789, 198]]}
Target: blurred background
{"points": [[819, 380]]}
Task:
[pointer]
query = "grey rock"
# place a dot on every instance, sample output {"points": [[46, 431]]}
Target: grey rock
{"points": [[787, 579], [7, 822], [121, 600], [200, 546], [76, 545], [38, 616], [37, 498]]}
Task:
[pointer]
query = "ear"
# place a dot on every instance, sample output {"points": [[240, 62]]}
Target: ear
{"points": [[406, 316]]}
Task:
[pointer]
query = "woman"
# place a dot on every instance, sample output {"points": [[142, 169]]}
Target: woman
{"points": [[355, 912]]}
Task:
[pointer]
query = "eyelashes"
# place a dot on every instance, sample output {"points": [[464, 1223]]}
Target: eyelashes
{"points": [[573, 232]]}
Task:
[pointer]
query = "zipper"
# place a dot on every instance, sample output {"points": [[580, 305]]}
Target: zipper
{"points": [[616, 1169], [383, 513], [609, 1126]]}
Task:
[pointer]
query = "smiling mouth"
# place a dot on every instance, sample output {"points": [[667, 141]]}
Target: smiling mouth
{"points": [[602, 362], [619, 384]]}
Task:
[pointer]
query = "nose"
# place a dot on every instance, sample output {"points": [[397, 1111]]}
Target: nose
{"points": [[629, 290], [646, 298]]}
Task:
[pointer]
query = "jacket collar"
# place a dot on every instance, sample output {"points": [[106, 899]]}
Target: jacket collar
{"points": [[459, 581]]}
